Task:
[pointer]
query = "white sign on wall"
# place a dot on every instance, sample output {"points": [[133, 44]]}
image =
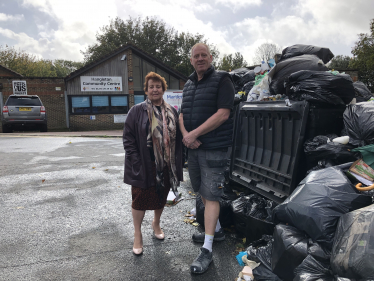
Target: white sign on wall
{"points": [[19, 88], [120, 118], [174, 98], [101, 83]]}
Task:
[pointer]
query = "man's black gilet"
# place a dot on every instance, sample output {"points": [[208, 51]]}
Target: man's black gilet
{"points": [[200, 103]]}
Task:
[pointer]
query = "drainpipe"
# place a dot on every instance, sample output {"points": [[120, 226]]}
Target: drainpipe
{"points": [[1, 99], [67, 110]]}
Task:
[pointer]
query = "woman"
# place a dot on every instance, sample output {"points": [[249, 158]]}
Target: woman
{"points": [[153, 161]]}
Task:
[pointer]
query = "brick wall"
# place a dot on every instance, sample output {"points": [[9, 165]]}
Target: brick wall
{"points": [[101, 122], [52, 99]]}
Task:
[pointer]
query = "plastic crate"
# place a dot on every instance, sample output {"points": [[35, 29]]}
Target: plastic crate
{"points": [[267, 147]]}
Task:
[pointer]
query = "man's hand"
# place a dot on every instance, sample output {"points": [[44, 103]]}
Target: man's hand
{"points": [[189, 138], [195, 145]]}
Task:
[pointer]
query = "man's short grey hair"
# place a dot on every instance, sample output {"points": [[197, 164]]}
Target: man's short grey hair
{"points": [[200, 44]]}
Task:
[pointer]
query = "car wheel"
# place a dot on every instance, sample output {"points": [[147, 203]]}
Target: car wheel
{"points": [[44, 128], [7, 129]]}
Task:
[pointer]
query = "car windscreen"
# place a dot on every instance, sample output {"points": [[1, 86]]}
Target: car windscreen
{"points": [[16, 101]]}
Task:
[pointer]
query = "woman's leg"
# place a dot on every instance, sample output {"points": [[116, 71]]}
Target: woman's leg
{"points": [[137, 216], [156, 221]]}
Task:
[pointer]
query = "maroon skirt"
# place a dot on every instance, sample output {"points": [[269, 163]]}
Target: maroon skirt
{"points": [[147, 198]]}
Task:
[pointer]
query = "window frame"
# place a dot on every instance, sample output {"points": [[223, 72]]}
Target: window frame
{"points": [[109, 111]]}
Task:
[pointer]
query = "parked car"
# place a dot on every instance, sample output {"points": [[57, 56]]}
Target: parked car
{"points": [[22, 111]]}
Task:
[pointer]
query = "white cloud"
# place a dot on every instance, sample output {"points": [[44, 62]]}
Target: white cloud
{"points": [[236, 5], [78, 22], [26, 43], [74, 23], [315, 22], [206, 9], [181, 16], [5, 17]]}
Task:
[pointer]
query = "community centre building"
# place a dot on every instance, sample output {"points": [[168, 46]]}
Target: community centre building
{"points": [[97, 96]]}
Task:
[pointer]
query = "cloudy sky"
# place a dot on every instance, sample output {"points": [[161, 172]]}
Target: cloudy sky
{"points": [[56, 29]]}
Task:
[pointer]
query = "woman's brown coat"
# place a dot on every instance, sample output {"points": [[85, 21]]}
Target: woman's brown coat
{"points": [[138, 163]]}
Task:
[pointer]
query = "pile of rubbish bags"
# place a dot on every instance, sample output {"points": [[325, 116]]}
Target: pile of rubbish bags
{"points": [[299, 74], [323, 231]]}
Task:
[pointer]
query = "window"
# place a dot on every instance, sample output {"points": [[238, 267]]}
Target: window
{"points": [[80, 104], [99, 104], [119, 104], [23, 100], [138, 98]]}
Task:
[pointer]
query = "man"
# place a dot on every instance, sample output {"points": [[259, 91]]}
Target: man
{"points": [[207, 128]]}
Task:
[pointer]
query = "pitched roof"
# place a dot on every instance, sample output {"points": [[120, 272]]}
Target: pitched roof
{"points": [[11, 71], [119, 50]]}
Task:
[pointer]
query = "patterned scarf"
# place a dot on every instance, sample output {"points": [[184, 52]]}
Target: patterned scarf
{"points": [[162, 136]]}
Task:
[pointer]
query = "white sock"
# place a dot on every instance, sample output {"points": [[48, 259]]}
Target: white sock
{"points": [[218, 226], [208, 242]]}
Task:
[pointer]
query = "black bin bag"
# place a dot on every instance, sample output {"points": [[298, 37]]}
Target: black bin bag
{"points": [[250, 214], [315, 142], [312, 270], [248, 87], [318, 252], [320, 87], [362, 92], [335, 153], [260, 251], [353, 251], [262, 273], [286, 67], [290, 248], [316, 205], [359, 123], [299, 49], [241, 76]]}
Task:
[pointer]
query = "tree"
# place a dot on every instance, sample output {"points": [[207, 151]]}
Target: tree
{"points": [[363, 59], [152, 36], [17, 61], [31, 66], [65, 67], [266, 52], [185, 41], [340, 62], [228, 62]]}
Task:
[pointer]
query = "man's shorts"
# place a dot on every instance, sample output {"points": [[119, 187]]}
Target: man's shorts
{"points": [[206, 169]]}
